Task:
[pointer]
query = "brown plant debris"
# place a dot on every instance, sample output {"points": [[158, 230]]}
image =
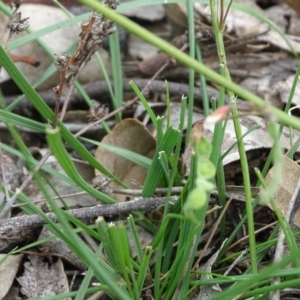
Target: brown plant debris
{"points": [[94, 30]]}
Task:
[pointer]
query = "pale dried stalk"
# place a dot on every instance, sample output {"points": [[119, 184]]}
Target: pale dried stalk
{"points": [[94, 31]]}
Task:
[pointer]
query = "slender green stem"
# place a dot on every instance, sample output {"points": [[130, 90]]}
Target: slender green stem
{"points": [[116, 63], [286, 109], [191, 30], [238, 132], [205, 100], [58, 149]]}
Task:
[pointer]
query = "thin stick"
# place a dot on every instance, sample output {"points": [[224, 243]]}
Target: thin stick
{"points": [[33, 221]]}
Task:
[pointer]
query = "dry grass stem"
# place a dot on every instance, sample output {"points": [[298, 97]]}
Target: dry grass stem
{"points": [[94, 31]]}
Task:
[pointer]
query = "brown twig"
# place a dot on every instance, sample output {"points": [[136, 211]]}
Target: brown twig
{"points": [[12, 4], [94, 30], [15, 24], [24, 59], [14, 227]]}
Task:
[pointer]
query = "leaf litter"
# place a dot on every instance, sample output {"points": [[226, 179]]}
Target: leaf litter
{"points": [[259, 59]]}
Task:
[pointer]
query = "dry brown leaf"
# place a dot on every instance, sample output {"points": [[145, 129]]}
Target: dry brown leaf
{"points": [[294, 26], [295, 4], [8, 271], [41, 280], [139, 49], [132, 135], [177, 17], [150, 65], [289, 180], [76, 116], [243, 24]]}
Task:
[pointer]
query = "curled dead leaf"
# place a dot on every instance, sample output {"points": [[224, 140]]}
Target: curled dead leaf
{"points": [[288, 183], [130, 134]]}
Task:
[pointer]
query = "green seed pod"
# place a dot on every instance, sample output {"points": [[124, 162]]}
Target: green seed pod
{"points": [[205, 168], [205, 185], [196, 200], [203, 147]]}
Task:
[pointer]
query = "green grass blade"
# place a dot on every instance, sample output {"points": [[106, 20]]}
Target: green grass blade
{"points": [[144, 102], [132, 156], [59, 151], [144, 268], [164, 162], [47, 113], [87, 279], [135, 238], [156, 171], [117, 72], [191, 35]]}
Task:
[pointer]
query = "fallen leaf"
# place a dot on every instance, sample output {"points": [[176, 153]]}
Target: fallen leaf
{"points": [[177, 17], [283, 89], [151, 64], [132, 135], [8, 271], [41, 280], [139, 49], [289, 179], [257, 139], [58, 246], [243, 24]]}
